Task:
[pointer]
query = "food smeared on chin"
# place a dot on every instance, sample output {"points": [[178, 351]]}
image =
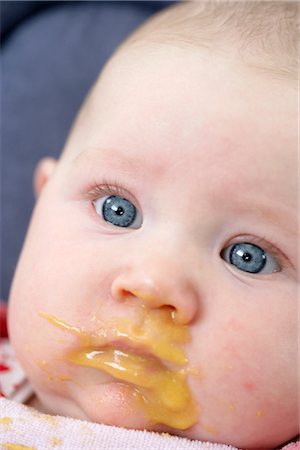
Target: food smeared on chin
{"points": [[146, 354]]}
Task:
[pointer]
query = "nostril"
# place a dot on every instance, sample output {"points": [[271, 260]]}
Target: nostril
{"points": [[147, 298], [124, 294], [169, 309]]}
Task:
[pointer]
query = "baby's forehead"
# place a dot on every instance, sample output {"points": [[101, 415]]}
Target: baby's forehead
{"points": [[153, 79], [150, 106], [175, 63]]}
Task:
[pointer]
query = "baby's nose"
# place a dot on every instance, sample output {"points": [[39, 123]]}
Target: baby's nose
{"points": [[156, 287]]}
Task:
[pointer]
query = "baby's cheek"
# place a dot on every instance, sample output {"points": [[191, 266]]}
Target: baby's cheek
{"points": [[40, 354], [242, 382], [233, 379], [44, 368], [244, 369], [238, 366]]}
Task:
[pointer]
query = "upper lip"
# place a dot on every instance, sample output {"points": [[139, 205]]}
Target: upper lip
{"points": [[172, 355]]}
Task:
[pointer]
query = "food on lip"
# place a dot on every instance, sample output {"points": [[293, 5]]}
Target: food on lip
{"points": [[158, 333], [145, 353], [163, 393]]}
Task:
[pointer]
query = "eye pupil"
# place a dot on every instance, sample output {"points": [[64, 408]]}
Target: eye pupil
{"points": [[247, 257], [118, 210]]}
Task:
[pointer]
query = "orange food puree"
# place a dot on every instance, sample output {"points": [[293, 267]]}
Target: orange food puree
{"points": [[146, 354]]}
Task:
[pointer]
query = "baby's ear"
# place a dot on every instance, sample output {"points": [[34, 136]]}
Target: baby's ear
{"points": [[42, 173]]}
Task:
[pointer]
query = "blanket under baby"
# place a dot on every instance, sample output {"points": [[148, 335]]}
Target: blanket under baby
{"points": [[24, 428]]}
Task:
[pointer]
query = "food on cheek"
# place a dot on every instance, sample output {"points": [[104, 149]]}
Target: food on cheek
{"points": [[146, 353]]}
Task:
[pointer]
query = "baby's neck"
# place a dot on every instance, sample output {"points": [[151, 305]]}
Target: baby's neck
{"points": [[35, 403]]}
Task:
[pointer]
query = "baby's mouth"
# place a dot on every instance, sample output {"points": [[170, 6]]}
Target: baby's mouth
{"points": [[154, 368], [162, 393], [138, 369]]}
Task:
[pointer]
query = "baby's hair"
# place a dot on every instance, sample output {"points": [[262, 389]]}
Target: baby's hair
{"points": [[262, 34]]}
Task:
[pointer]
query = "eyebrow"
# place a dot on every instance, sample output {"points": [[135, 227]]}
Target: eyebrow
{"points": [[279, 215], [123, 160]]}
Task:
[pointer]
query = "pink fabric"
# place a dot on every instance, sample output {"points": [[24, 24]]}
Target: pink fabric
{"points": [[21, 425]]}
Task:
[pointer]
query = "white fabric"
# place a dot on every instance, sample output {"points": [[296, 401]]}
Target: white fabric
{"points": [[24, 426]]}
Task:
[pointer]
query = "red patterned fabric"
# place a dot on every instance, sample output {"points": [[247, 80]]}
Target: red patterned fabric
{"points": [[13, 381], [3, 325]]}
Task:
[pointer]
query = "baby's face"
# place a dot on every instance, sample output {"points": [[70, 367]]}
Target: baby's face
{"points": [[162, 252]]}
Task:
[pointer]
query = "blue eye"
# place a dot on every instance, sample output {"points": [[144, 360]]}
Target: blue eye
{"points": [[118, 211], [250, 258]]}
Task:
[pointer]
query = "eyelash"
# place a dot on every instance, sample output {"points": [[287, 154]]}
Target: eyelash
{"points": [[106, 188]]}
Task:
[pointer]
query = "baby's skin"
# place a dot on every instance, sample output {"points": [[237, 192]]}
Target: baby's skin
{"points": [[162, 246]]}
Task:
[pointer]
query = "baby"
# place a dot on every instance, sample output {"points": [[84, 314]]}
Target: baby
{"points": [[157, 287]]}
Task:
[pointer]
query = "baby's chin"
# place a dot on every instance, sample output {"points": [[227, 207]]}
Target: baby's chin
{"points": [[113, 404]]}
